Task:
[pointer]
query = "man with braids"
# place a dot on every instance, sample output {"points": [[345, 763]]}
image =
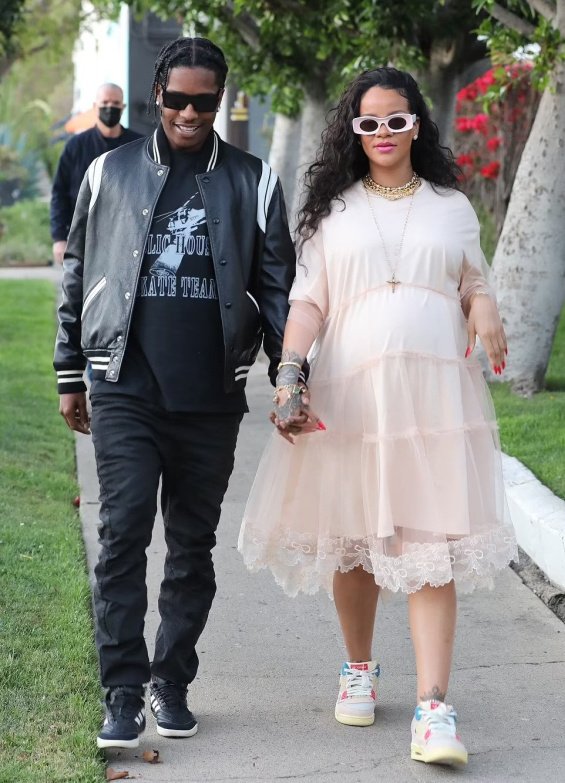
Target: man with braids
{"points": [[178, 267], [403, 490]]}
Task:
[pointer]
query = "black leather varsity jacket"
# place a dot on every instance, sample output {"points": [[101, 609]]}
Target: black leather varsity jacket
{"points": [[252, 252]]}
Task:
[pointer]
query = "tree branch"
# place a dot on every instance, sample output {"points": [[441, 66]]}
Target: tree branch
{"points": [[244, 25], [511, 20], [285, 5], [8, 60], [5, 65], [546, 8]]}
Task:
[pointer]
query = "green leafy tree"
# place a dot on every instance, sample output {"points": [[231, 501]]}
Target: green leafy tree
{"points": [[36, 44], [452, 56], [288, 49], [301, 53], [31, 27], [10, 18]]}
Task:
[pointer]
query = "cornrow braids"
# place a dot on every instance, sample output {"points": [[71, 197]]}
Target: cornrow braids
{"points": [[186, 53]]}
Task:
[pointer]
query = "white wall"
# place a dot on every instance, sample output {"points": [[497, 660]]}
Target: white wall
{"points": [[100, 55]]}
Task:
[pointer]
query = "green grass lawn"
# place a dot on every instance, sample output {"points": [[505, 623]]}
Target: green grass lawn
{"points": [[48, 672], [534, 430]]}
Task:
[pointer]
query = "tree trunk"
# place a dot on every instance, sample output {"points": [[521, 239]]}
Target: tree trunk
{"points": [[529, 263], [283, 156], [312, 124], [441, 83], [6, 63]]}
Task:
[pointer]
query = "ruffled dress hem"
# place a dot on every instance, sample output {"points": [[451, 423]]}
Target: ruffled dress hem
{"points": [[298, 565]]}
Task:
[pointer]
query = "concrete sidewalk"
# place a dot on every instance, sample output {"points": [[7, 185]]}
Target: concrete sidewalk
{"points": [[264, 696]]}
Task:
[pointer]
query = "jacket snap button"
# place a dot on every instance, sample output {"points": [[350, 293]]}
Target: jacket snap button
{"points": [[223, 262], [216, 220], [135, 253], [205, 179], [127, 294], [119, 338], [160, 173], [228, 305], [145, 212], [112, 372]]}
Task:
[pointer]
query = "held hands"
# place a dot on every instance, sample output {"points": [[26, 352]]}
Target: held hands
{"points": [[72, 408], [291, 414], [484, 322]]}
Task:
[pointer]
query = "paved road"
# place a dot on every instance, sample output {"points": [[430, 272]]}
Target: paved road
{"points": [[265, 691]]}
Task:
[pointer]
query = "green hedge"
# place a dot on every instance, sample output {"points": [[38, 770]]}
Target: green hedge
{"points": [[24, 234]]}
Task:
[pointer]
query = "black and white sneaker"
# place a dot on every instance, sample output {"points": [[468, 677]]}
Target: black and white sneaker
{"points": [[125, 718], [168, 705]]}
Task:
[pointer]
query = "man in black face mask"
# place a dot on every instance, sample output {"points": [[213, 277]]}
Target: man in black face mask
{"points": [[78, 154]]}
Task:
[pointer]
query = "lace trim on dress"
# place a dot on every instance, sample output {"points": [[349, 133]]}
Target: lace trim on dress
{"points": [[299, 565]]}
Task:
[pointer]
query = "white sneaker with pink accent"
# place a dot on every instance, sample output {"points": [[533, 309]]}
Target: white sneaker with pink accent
{"points": [[434, 735], [357, 695]]}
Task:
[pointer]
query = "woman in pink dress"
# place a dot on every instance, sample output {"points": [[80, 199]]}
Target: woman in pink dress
{"points": [[398, 483]]}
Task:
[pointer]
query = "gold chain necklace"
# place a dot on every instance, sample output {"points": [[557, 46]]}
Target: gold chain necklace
{"points": [[392, 194], [393, 281]]}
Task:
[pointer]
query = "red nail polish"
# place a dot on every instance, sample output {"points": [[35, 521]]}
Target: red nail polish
{"points": [[321, 425], [503, 365], [467, 352]]}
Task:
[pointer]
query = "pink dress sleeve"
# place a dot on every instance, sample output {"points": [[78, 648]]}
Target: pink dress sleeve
{"points": [[475, 270], [311, 281]]}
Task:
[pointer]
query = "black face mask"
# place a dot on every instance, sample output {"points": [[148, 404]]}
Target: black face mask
{"points": [[109, 115]]}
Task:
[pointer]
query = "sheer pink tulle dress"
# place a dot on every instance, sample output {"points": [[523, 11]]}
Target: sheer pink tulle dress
{"points": [[406, 481]]}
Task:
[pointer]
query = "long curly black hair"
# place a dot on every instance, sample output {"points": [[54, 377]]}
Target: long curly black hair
{"points": [[340, 160]]}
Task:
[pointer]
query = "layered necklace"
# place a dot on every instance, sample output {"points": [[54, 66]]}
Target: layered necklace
{"points": [[392, 194]]}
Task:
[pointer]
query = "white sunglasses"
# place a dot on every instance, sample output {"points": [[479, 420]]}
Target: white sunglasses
{"points": [[368, 125]]}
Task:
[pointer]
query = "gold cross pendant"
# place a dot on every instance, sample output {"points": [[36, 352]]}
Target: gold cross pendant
{"points": [[394, 282]]}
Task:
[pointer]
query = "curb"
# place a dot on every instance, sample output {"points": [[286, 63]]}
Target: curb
{"points": [[538, 517]]}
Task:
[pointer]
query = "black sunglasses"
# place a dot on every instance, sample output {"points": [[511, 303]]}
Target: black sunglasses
{"points": [[205, 102]]}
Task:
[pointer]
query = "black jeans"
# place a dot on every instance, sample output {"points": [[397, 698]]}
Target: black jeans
{"points": [[136, 445]]}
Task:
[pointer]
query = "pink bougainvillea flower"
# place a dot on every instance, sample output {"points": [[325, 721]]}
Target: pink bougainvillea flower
{"points": [[494, 143], [464, 124], [480, 123], [491, 170], [485, 81], [471, 92]]}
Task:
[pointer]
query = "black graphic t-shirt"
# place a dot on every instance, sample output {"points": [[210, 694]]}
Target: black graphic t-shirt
{"points": [[175, 350]]}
